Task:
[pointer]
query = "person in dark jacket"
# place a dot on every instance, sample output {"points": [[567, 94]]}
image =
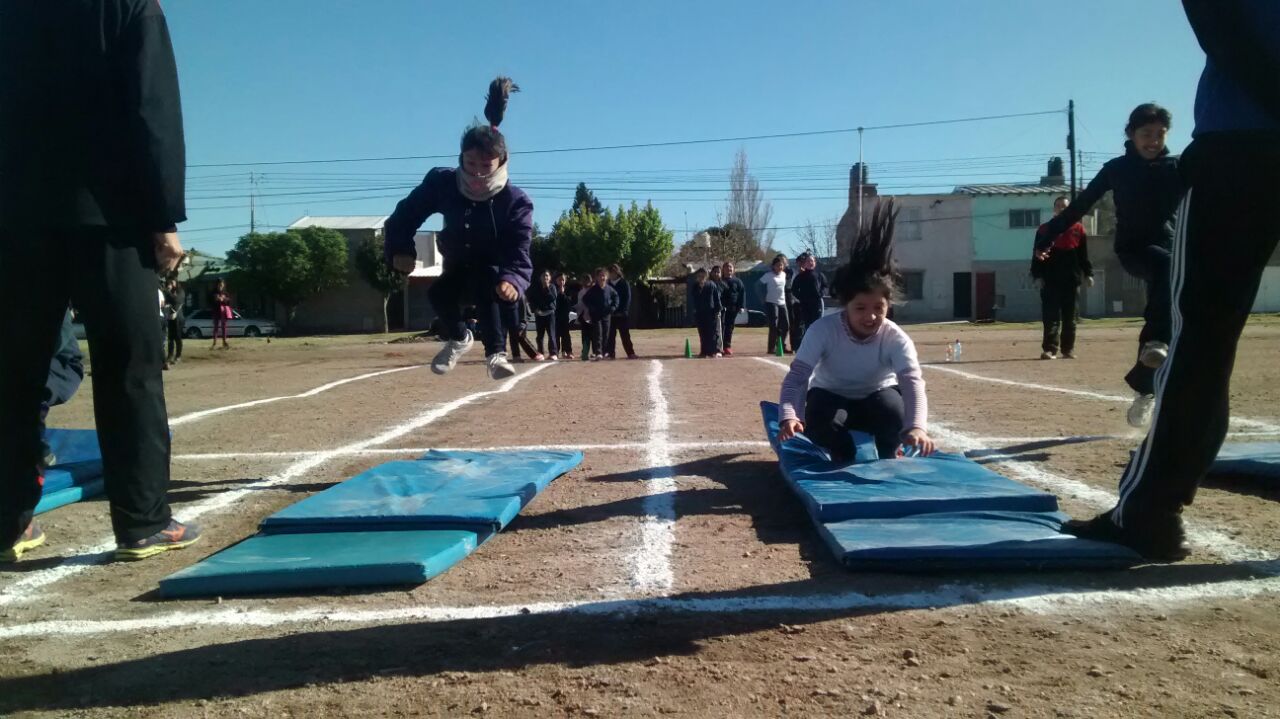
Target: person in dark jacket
{"points": [[92, 176], [714, 279], [519, 335], [1059, 270], [601, 301], [564, 305], [1146, 188], [488, 228], [809, 287], [175, 309], [585, 325], [706, 308], [544, 299], [734, 295], [1226, 232], [66, 372], [620, 322]]}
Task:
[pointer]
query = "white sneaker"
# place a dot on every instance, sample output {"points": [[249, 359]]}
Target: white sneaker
{"points": [[1048, 355], [1153, 354], [498, 366], [1139, 414], [554, 358], [447, 358]]}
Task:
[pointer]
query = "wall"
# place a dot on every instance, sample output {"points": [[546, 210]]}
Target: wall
{"points": [[355, 307], [939, 245]]}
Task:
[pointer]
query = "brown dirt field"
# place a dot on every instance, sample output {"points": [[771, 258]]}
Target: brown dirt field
{"points": [[1197, 641]]}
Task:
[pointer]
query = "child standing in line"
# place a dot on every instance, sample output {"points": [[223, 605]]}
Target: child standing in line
{"points": [[564, 303], [773, 287], [1146, 188], [544, 298], [520, 335], [584, 316], [856, 369], [620, 322], [488, 228], [733, 295], [706, 309], [713, 279], [601, 301]]}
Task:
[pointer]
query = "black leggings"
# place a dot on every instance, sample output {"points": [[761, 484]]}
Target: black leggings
{"points": [[880, 414]]}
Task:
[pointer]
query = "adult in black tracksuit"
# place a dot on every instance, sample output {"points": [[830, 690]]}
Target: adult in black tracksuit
{"points": [[544, 298], [1058, 273], [601, 301], [706, 310], [564, 304], [809, 288], [733, 294], [1146, 188], [93, 166], [1226, 233], [620, 323]]}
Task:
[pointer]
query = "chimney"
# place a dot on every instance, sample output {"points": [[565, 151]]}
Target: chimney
{"points": [[1054, 176], [868, 189]]}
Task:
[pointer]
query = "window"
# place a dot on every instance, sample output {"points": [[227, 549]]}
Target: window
{"points": [[910, 224], [200, 315], [913, 285], [1019, 219]]}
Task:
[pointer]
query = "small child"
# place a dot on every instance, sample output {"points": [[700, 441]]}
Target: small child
{"points": [[564, 304], [775, 289], [544, 299], [865, 375], [713, 278], [488, 228], [601, 300], [809, 288], [733, 296], [584, 316], [706, 309]]}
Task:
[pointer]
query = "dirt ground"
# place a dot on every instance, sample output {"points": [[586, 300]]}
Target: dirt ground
{"points": [[747, 613]]}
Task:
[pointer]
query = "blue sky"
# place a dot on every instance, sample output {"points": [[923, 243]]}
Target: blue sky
{"points": [[322, 79]]}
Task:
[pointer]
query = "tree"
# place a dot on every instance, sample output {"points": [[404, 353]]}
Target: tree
{"points": [[651, 242], [820, 240], [372, 266], [290, 266], [544, 252], [586, 240], [586, 199], [747, 207]]}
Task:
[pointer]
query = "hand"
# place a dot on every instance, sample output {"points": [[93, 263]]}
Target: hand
{"points": [[507, 291], [919, 438], [1089, 281], [1039, 284], [1042, 255], [169, 252], [789, 428], [404, 264]]}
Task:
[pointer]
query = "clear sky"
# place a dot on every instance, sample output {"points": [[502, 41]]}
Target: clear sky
{"points": [[287, 80]]}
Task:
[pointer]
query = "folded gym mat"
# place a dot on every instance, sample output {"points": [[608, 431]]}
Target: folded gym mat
{"points": [[77, 458], [1256, 459], [481, 491], [290, 562], [70, 494], [898, 487], [969, 541]]}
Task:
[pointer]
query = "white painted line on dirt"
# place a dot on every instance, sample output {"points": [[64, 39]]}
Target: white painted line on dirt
{"points": [[204, 413], [615, 447], [1240, 421], [651, 560], [1035, 598], [81, 559], [1096, 437]]}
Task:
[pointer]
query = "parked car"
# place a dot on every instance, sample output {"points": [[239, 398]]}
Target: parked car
{"points": [[200, 325], [749, 318]]}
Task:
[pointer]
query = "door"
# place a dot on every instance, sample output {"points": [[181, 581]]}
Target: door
{"points": [[962, 295], [985, 296]]}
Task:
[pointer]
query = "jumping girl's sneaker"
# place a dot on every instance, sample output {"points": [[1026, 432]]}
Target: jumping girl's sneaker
{"points": [[1139, 414], [447, 358], [498, 366], [1153, 354]]}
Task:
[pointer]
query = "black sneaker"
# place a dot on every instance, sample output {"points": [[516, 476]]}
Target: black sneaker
{"points": [[175, 536], [1158, 541]]}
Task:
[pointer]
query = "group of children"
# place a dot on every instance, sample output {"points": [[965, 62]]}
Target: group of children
{"points": [[717, 296], [601, 304]]}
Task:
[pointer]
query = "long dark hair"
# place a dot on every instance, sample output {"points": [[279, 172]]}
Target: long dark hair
{"points": [[1148, 113], [871, 267], [486, 138]]}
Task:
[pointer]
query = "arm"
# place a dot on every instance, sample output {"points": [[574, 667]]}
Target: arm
{"points": [[408, 216], [791, 399], [1232, 35], [149, 76], [517, 236], [911, 381], [1099, 186]]}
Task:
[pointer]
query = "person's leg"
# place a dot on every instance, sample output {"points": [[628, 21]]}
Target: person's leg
{"points": [[611, 337], [729, 316], [881, 415], [796, 326], [33, 292], [623, 322], [1150, 267], [771, 316], [1225, 236], [1069, 308], [1158, 314], [525, 344], [180, 327], [497, 318], [706, 342], [553, 342], [113, 285], [784, 325], [606, 326], [826, 423], [587, 330], [1049, 316], [446, 295], [564, 336], [540, 330]]}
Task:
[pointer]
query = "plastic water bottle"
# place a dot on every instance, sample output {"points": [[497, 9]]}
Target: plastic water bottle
{"points": [[956, 352], [949, 353]]}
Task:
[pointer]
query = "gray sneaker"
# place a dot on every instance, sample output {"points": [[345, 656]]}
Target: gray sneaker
{"points": [[1154, 354], [1139, 414], [499, 367], [447, 358]]}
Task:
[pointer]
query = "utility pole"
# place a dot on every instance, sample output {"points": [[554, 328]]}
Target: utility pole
{"points": [[1071, 143], [253, 191], [862, 171]]}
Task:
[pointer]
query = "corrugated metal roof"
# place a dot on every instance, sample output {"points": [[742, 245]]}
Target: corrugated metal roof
{"points": [[342, 222], [1024, 189]]}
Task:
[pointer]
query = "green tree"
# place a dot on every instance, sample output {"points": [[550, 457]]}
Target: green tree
{"points": [[586, 199], [651, 243], [544, 252], [290, 266], [373, 268], [586, 240]]}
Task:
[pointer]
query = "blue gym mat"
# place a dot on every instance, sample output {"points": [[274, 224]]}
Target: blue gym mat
{"points": [[1255, 459], [481, 491], [398, 523], [70, 495], [290, 562], [77, 473], [965, 541], [933, 513]]}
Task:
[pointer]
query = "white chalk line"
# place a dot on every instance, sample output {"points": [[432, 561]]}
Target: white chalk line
{"points": [[1035, 598], [378, 452], [651, 560], [83, 558], [1135, 435], [205, 413], [1212, 540], [1240, 421]]}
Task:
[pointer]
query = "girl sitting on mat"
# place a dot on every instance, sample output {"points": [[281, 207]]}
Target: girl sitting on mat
{"points": [[856, 369]]}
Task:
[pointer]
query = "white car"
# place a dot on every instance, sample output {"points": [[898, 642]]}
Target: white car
{"points": [[200, 325]]}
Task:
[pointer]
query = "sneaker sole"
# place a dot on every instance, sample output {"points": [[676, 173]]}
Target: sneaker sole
{"points": [[12, 554], [1152, 360], [133, 555]]}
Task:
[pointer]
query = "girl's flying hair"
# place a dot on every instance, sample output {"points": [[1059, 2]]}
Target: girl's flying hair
{"points": [[487, 138], [871, 267]]}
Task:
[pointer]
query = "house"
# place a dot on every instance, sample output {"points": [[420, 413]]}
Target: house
{"points": [[354, 307]]}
